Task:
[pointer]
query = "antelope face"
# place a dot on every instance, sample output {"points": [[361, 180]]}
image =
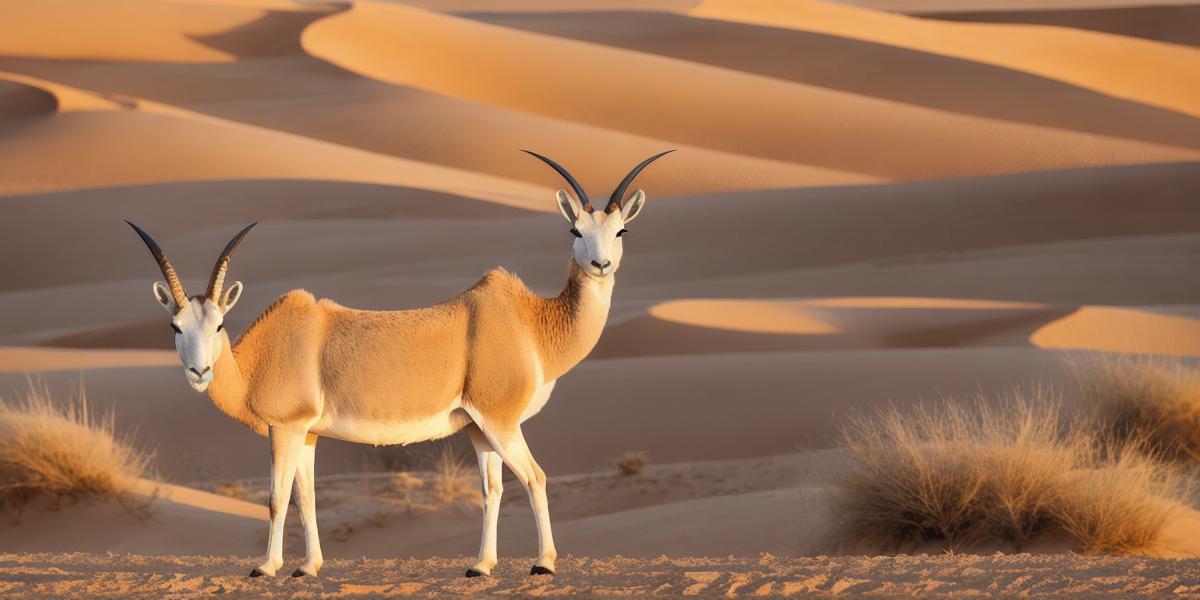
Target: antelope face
{"points": [[199, 327], [197, 321], [598, 245]]}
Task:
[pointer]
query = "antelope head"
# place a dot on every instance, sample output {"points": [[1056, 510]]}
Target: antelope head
{"points": [[196, 320], [598, 245]]}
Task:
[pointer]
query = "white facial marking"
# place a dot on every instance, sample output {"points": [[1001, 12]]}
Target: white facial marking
{"points": [[598, 249], [598, 246], [198, 340]]}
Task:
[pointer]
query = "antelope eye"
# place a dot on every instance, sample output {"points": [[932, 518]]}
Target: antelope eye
{"points": [[575, 232], [220, 327], [622, 232], [175, 326]]}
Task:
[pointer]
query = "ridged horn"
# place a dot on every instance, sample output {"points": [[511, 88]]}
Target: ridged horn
{"points": [[164, 263], [579, 193], [217, 281], [618, 196]]}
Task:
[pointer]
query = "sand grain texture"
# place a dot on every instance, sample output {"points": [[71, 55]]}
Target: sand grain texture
{"points": [[873, 203], [133, 576]]}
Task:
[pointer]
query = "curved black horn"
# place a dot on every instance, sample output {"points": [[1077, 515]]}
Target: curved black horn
{"points": [[217, 281], [579, 193], [618, 195], [164, 264]]}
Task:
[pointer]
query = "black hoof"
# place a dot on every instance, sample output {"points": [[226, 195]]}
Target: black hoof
{"points": [[298, 573], [540, 570], [256, 573], [474, 573]]}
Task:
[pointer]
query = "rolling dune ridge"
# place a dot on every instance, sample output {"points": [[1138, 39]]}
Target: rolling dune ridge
{"points": [[878, 203]]}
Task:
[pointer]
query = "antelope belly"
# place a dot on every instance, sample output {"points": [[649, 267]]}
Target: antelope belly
{"points": [[383, 433]]}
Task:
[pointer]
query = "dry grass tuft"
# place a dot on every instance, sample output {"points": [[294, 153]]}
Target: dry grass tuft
{"points": [[453, 481], [1120, 505], [1006, 472], [60, 451], [233, 489], [1154, 401], [632, 463]]}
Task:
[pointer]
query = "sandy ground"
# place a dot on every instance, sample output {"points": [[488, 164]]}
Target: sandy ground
{"points": [[1019, 575], [880, 202]]}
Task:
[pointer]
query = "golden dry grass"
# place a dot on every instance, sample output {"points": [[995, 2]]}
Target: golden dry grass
{"points": [[1006, 471], [60, 451], [453, 481], [632, 463], [1146, 399], [233, 489]]}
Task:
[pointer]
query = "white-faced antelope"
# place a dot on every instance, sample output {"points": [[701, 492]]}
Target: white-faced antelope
{"points": [[485, 360]]}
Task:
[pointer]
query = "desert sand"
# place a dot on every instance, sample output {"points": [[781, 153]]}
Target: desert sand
{"points": [[875, 203]]}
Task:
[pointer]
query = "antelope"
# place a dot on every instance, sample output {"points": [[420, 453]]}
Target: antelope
{"points": [[485, 360]]}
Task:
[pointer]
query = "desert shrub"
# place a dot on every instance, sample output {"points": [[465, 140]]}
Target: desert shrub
{"points": [[453, 480], [60, 450], [1007, 471], [1121, 504], [632, 463], [233, 489], [1154, 401]]}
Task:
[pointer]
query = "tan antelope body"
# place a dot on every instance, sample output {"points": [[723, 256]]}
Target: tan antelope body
{"points": [[485, 360]]}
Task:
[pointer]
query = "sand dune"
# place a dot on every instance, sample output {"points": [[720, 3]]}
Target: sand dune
{"points": [[705, 326], [1145, 71], [918, 6], [117, 29], [1026, 230], [485, 139], [18, 101], [865, 68], [149, 143], [28, 360], [1143, 330], [1068, 273], [176, 520], [161, 492], [1168, 23], [33, 97], [383, 41]]}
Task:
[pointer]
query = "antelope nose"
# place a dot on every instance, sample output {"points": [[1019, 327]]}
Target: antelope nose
{"points": [[198, 372], [607, 264]]}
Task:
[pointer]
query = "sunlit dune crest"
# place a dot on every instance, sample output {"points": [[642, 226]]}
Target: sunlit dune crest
{"points": [[15, 359], [946, 303], [185, 496], [1157, 74], [418, 48], [65, 98], [144, 30], [746, 315], [807, 317], [1120, 329], [100, 142], [919, 6]]}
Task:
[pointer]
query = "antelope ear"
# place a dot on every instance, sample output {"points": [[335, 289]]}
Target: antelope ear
{"points": [[163, 295], [568, 206], [633, 206], [232, 294]]}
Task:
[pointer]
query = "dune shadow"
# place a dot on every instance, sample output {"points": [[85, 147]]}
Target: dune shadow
{"points": [[866, 68]]}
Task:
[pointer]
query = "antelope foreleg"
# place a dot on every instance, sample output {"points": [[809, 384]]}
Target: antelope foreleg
{"points": [[287, 445]]}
